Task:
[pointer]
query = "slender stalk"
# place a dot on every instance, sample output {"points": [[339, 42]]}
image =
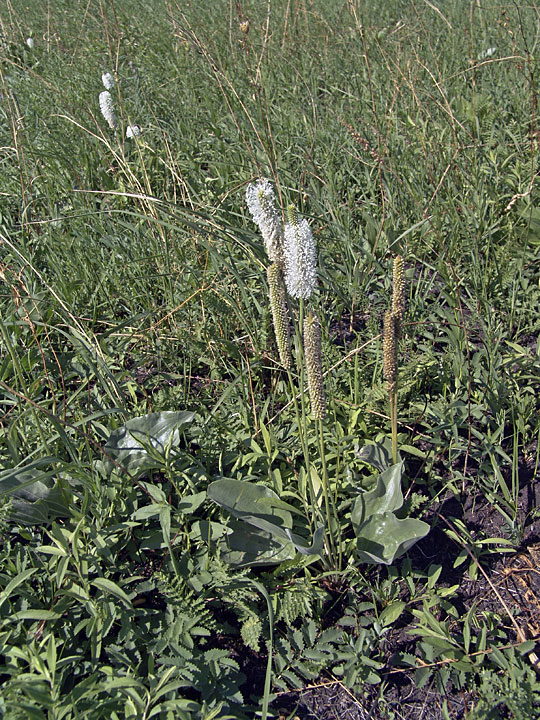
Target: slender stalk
{"points": [[391, 324], [393, 422], [331, 515], [393, 328], [305, 451]]}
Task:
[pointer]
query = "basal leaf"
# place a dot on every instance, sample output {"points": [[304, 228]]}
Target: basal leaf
{"points": [[260, 506], [37, 496], [383, 537], [130, 444], [247, 545], [386, 497], [378, 455], [244, 499]]}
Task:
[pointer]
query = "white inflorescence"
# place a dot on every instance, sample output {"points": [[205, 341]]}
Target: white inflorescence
{"points": [[107, 108], [132, 131], [300, 259], [30, 43], [107, 80], [260, 200]]}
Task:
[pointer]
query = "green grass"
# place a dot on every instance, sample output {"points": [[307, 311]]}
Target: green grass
{"points": [[133, 282]]}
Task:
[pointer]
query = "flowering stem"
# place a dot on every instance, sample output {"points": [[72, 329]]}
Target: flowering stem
{"points": [[301, 416], [393, 422], [331, 517], [305, 449]]}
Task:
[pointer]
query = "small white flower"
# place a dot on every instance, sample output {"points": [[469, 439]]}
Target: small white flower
{"points": [[107, 80], [107, 109], [300, 259], [132, 131], [260, 200], [490, 52], [30, 43]]}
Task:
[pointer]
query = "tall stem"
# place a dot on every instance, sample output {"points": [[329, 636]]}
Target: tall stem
{"points": [[301, 415], [305, 450], [393, 421], [331, 516]]}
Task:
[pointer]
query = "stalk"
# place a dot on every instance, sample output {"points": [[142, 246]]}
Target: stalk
{"points": [[393, 327], [390, 373]]}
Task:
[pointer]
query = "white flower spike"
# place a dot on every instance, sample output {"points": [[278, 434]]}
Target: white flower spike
{"points": [[107, 80], [261, 200], [300, 257], [107, 109], [30, 43]]}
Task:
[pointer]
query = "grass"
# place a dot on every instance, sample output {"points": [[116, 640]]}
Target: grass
{"points": [[134, 286]]}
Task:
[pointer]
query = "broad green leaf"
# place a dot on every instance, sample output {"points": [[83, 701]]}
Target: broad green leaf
{"points": [[165, 522], [261, 507], [378, 455], [16, 581], [148, 511], [386, 497], [383, 538], [52, 550], [245, 500], [129, 445], [391, 612], [247, 545], [38, 497], [12, 478], [190, 503]]}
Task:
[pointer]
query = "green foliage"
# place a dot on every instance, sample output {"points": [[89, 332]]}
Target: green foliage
{"points": [[138, 377], [259, 506], [382, 537], [512, 692]]}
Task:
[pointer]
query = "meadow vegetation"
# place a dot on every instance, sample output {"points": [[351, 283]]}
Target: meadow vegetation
{"points": [[185, 531]]}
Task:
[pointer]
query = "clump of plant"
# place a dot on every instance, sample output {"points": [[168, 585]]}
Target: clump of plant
{"points": [[267, 532]]}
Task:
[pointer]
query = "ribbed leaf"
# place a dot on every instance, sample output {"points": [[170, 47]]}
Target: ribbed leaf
{"points": [[138, 445], [386, 497], [383, 538], [260, 506]]}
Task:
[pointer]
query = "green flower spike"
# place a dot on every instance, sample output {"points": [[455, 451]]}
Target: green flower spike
{"points": [[280, 314], [390, 350], [312, 349]]}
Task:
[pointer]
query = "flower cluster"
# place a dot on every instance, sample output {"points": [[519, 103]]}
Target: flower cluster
{"points": [[107, 109], [132, 131], [390, 350], [300, 258], [261, 200], [398, 295], [280, 313], [293, 269], [312, 348], [107, 80]]}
